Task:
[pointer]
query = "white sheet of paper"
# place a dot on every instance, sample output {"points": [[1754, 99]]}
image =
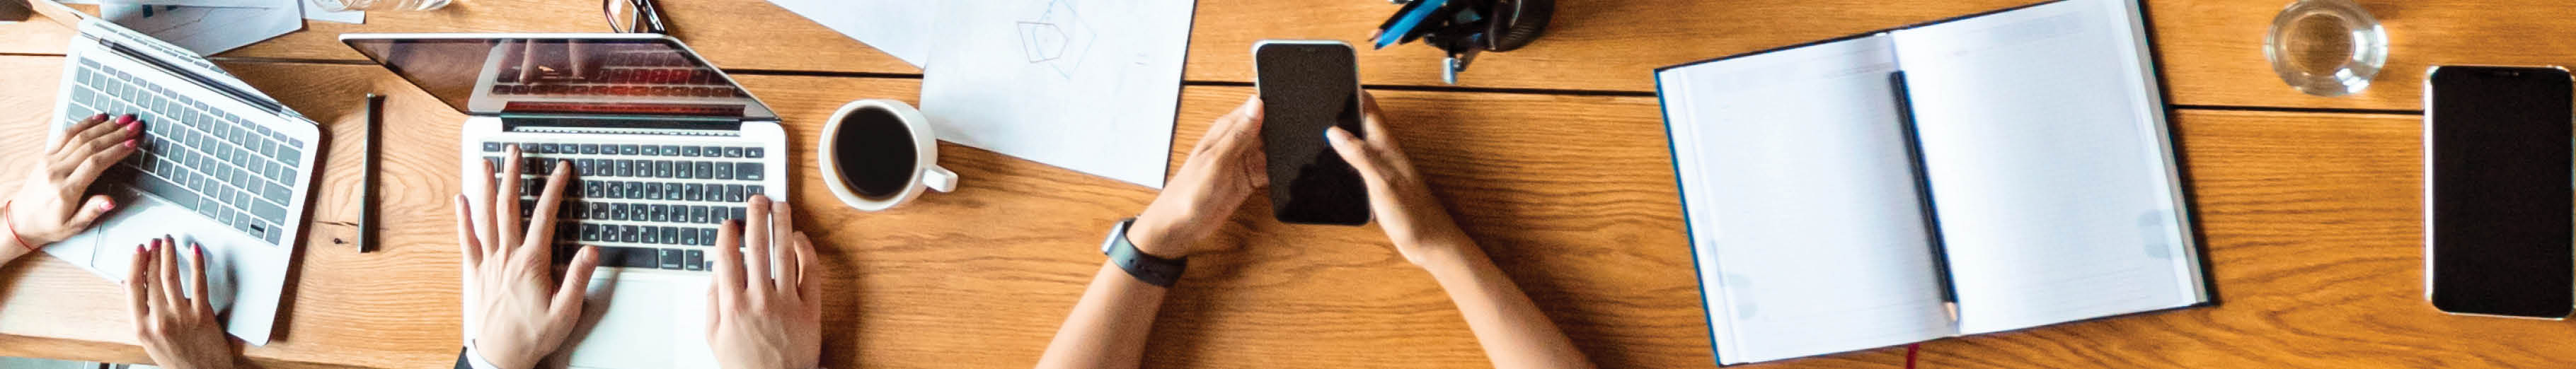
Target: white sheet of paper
{"points": [[315, 12], [1088, 85], [898, 27], [206, 30]]}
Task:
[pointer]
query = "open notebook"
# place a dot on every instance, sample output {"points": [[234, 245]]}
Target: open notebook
{"points": [[1982, 174]]}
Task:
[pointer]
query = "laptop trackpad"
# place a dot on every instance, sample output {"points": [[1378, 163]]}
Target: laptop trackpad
{"points": [[643, 319], [114, 240]]}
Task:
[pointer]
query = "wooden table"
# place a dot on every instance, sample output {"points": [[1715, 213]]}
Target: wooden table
{"points": [[1553, 157]]}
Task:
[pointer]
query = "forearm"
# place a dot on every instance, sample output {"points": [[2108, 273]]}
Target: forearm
{"points": [[12, 248], [1107, 327], [1512, 330], [12, 244]]}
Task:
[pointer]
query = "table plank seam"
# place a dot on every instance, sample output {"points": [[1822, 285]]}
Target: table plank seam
{"points": [[2283, 109]]}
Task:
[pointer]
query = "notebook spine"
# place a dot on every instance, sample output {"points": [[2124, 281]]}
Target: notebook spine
{"points": [[1670, 139]]}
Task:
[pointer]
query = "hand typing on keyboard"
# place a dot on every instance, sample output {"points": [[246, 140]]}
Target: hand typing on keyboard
{"points": [[515, 311], [172, 318], [49, 205], [759, 321]]}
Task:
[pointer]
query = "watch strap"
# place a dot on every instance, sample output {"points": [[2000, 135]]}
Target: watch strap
{"points": [[1154, 270], [464, 359]]}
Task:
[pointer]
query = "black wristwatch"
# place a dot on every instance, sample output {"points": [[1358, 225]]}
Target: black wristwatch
{"points": [[1154, 270]]}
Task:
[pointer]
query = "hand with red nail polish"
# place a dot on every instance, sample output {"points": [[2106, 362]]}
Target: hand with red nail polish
{"points": [[172, 318], [54, 202]]}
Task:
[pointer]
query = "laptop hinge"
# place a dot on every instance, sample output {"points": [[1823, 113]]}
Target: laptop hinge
{"points": [[622, 124], [254, 99]]}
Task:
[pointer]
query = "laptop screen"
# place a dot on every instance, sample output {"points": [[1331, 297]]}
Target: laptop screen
{"points": [[618, 75]]}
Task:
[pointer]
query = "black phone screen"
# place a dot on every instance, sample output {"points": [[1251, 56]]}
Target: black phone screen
{"points": [[1305, 88], [2497, 183]]}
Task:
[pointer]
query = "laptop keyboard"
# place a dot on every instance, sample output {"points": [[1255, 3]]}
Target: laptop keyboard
{"points": [[644, 206], [228, 169]]}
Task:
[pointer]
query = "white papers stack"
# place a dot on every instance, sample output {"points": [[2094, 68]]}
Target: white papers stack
{"points": [[207, 27], [1088, 85]]}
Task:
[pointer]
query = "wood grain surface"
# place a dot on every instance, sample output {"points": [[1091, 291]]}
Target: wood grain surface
{"points": [[2210, 51], [981, 277], [36, 35], [2312, 220], [1590, 45], [2213, 50], [2313, 224]]}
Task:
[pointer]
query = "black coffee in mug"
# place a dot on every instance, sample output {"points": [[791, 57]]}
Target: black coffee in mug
{"points": [[876, 153]]}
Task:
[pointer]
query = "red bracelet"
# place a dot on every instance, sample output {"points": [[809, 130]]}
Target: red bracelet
{"points": [[13, 230]]}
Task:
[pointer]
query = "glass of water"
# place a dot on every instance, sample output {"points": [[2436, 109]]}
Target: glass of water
{"points": [[2326, 47]]}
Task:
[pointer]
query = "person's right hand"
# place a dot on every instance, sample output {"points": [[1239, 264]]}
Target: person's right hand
{"points": [[49, 206], [1221, 171], [755, 320], [517, 312], [178, 330], [1403, 205]]}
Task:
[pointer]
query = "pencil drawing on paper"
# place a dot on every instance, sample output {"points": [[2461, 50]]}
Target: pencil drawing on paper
{"points": [[1057, 39]]}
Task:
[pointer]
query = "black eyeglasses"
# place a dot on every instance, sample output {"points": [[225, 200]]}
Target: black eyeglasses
{"points": [[634, 16]]}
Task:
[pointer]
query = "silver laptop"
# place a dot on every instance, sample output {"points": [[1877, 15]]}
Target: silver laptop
{"points": [[665, 148], [221, 165]]}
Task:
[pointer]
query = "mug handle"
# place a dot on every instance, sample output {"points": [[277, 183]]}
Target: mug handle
{"points": [[939, 179]]}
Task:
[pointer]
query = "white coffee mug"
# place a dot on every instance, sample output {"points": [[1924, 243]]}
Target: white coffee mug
{"points": [[925, 174]]}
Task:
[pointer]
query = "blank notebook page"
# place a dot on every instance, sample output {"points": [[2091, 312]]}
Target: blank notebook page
{"points": [[2044, 145], [1806, 223]]}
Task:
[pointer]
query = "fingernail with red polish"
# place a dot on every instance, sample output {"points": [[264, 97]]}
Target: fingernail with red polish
{"points": [[107, 205], [199, 249], [129, 144], [128, 118], [101, 117]]}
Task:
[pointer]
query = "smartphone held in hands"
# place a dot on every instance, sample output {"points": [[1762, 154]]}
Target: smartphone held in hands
{"points": [[1307, 87], [2497, 180]]}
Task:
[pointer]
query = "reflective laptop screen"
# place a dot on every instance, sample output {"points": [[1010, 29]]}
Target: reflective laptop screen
{"points": [[564, 75]]}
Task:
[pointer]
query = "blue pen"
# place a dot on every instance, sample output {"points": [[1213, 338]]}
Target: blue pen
{"points": [[1406, 25]]}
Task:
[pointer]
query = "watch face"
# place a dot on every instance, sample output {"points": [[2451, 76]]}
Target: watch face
{"points": [[1116, 233]]}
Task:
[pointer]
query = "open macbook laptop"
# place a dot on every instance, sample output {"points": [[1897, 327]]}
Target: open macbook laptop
{"points": [[221, 166], [665, 148]]}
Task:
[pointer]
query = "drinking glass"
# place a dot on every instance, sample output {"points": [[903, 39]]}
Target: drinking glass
{"points": [[2326, 47]]}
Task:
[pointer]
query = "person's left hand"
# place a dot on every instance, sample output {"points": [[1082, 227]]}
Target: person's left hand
{"points": [[49, 206], [755, 320], [1222, 170], [518, 313], [178, 331]]}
